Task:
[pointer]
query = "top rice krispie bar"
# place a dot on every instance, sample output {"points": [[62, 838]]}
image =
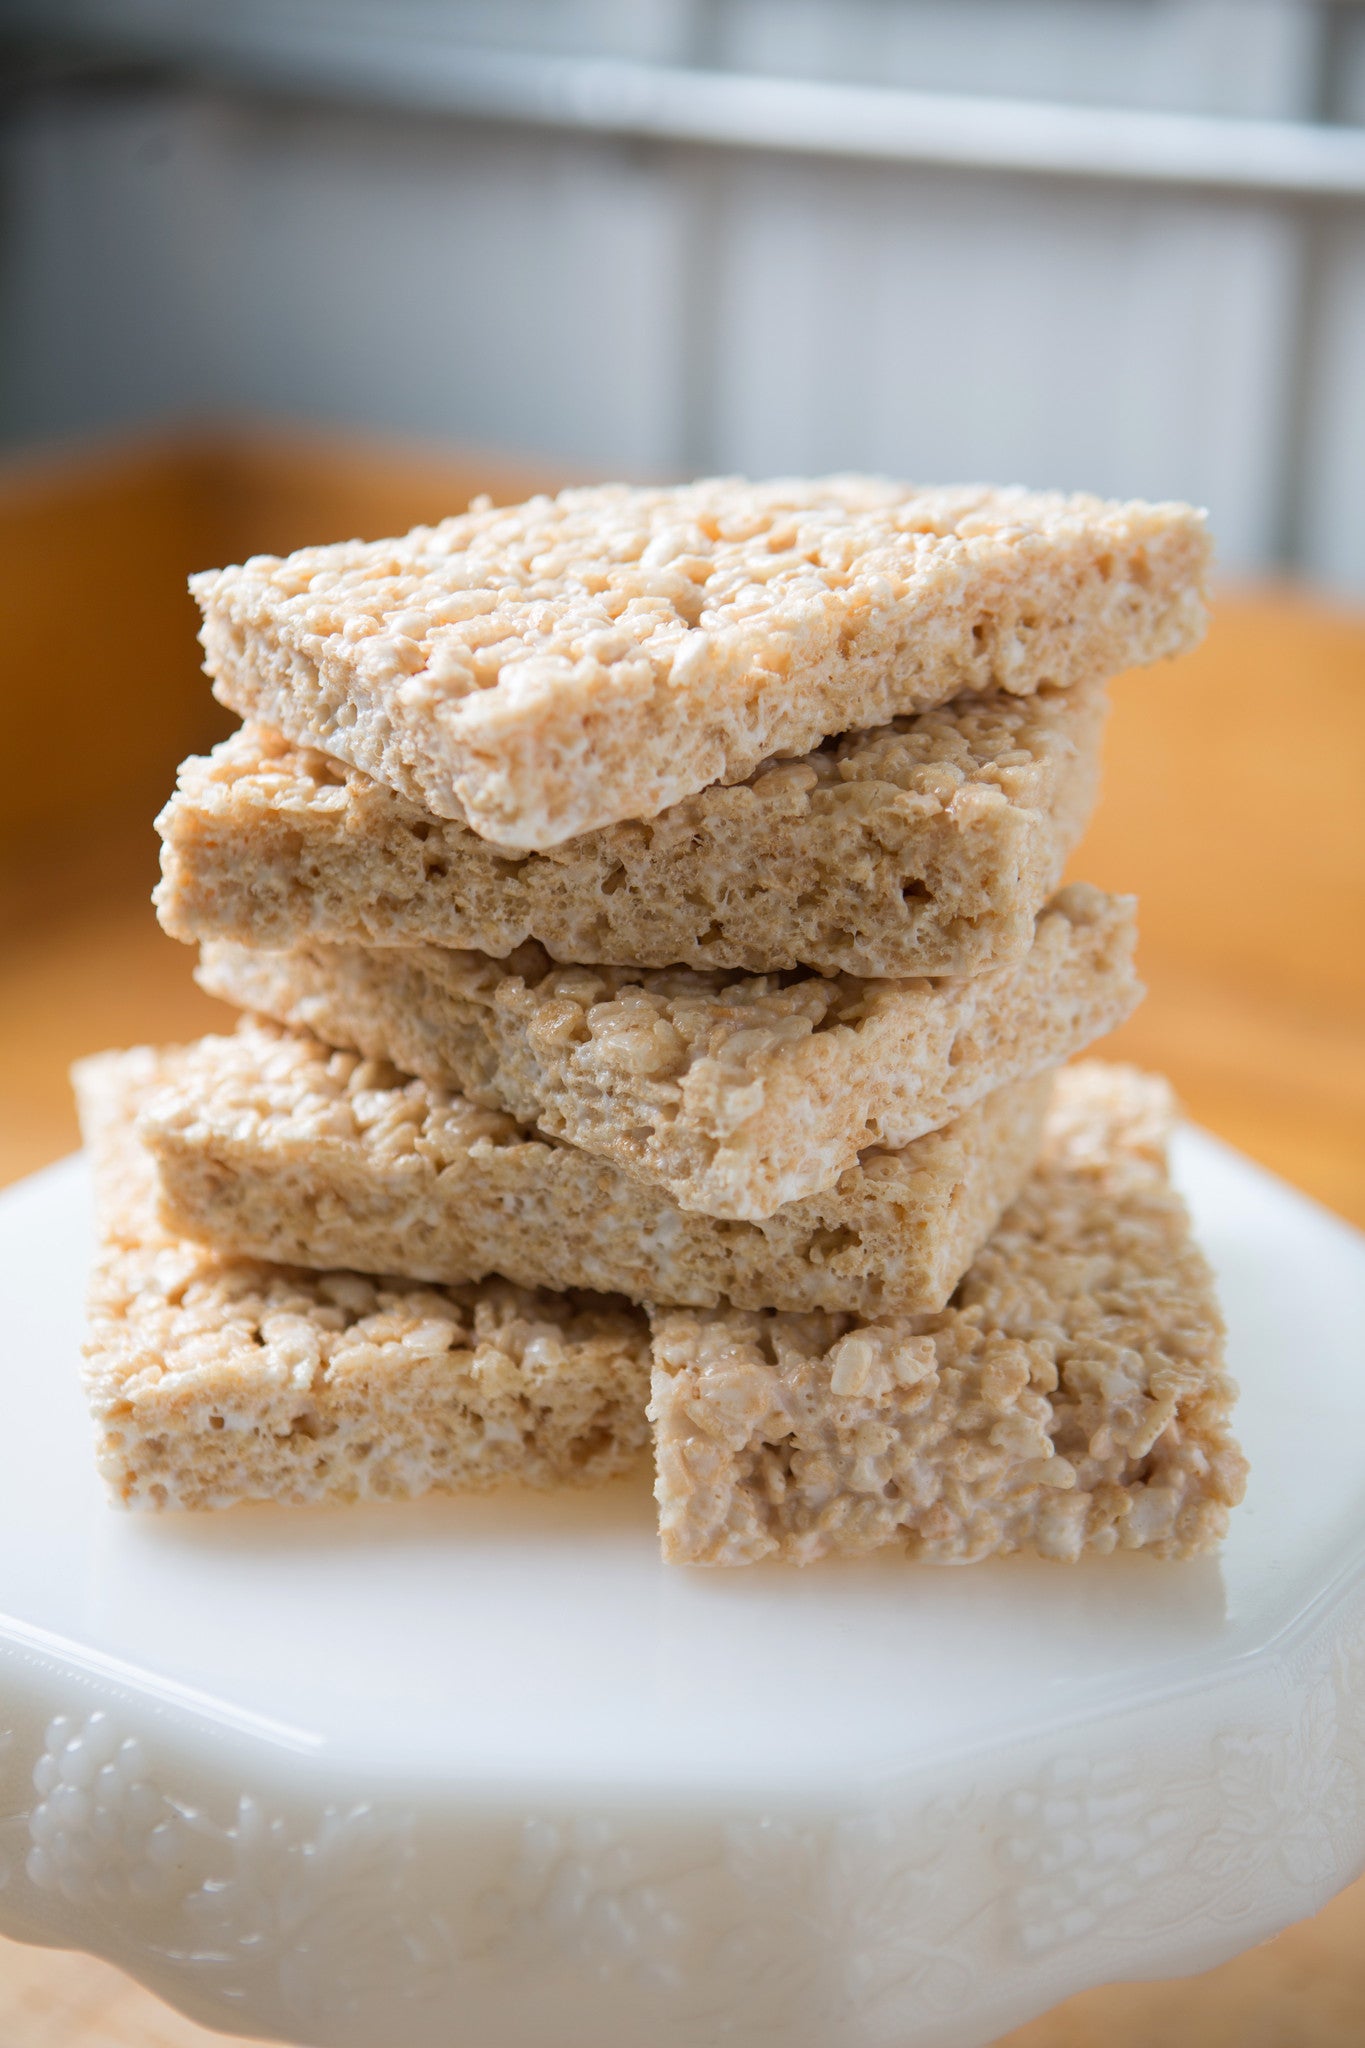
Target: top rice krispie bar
{"points": [[557, 666]]}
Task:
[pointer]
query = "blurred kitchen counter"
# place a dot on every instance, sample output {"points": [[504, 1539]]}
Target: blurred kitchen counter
{"points": [[1232, 805]]}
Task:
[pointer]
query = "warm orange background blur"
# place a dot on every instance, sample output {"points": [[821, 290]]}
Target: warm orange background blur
{"points": [[1232, 805]]}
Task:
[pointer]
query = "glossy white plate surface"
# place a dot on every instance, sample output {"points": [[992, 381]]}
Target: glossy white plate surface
{"points": [[484, 1771]]}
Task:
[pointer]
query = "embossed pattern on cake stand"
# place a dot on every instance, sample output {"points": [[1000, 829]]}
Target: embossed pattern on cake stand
{"points": [[484, 1770]]}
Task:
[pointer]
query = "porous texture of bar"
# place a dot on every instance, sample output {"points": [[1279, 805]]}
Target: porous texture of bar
{"points": [[557, 666], [926, 847], [214, 1380], [736, 1095], [1071, 1400], [267, 1144]]}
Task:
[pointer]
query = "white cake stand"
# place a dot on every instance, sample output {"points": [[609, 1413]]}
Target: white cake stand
{"points": [[484, 1772]]}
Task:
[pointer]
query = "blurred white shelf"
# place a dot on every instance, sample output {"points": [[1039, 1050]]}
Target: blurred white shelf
{"points": [[394, 58]]}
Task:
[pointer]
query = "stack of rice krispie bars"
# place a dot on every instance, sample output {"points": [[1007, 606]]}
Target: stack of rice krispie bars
{"points": [[657, 992]]}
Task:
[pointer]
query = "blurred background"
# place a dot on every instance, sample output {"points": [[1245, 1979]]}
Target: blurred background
{"points": [[1110, 244], [284, 271]]}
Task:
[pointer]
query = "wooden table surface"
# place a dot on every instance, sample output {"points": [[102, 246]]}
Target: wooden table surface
{"points": [[1233, 806]]}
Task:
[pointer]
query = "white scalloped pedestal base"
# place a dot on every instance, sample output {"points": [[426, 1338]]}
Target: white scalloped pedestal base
{"points": [[483, 1771]]}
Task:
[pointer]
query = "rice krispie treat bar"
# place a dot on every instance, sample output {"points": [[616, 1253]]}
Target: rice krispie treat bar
{"points": [[269, 1145], [925, 847], [553, 667], [736, 1095], [213, 1379], [1071, 1400]]}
